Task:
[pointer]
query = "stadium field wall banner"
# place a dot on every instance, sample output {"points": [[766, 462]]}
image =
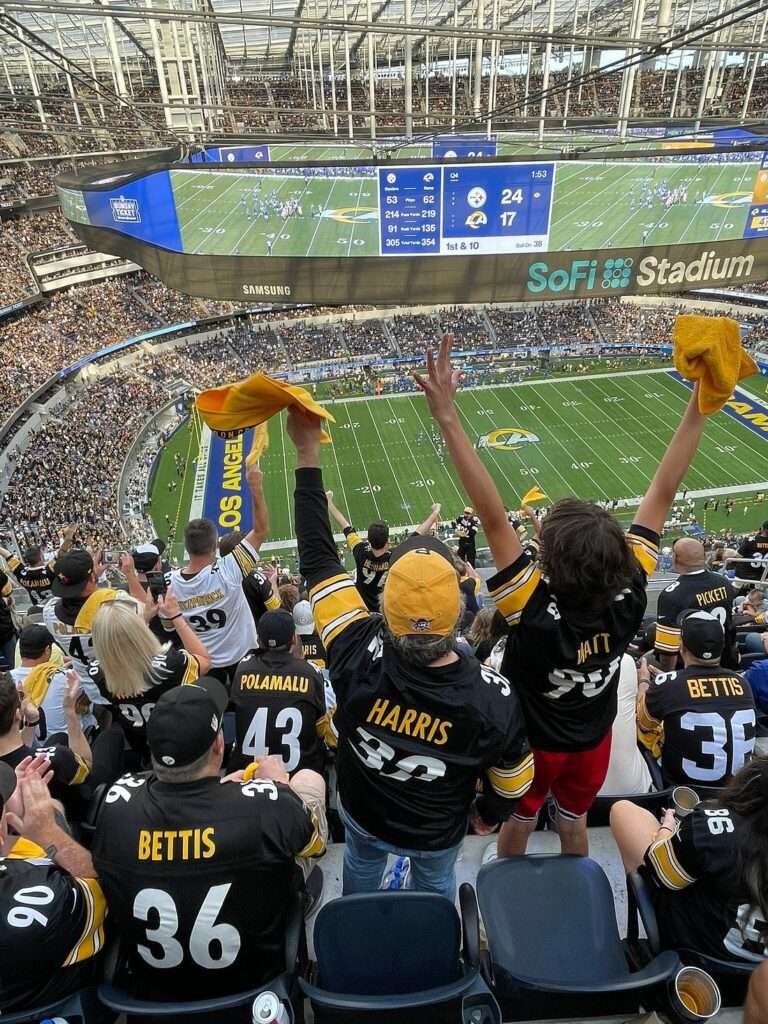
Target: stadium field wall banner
{"points": [[226, 497], [501, 277]]}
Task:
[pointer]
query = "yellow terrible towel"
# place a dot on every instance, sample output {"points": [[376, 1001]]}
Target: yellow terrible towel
{"points": [[234, 407], [708, 350]]}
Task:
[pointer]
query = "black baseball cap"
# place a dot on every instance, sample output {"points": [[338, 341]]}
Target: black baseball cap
{"points": [[7, 784], [145, 557], [158, 543], [276, 629], [33, 640], [72, 571], [702, 634], [185, 722]]}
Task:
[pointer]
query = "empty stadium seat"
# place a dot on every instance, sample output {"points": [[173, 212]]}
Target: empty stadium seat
{"points": [[80, 1006], [554, 943], [384, 956]]}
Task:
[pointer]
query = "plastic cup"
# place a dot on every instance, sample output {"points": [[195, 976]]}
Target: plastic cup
{"points": [[685, 800]]}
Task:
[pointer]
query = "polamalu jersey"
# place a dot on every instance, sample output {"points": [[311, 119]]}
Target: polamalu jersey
{"points": [[280, 708], [37, 580], [704, 717], [466, 526], [704, 591], [313, 651], [213, 603], [198, 877], [258, 594], [414, 744], [171, 667], [370, 570], [755, 549], [51, 927], [564, 663], [702, 902]]}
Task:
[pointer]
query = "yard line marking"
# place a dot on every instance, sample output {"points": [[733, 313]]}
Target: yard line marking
{"points": [[409, 448], [338, 469], [235, 179], [426, 428], [365, 469], [285, 477], [403, 501], [605, 209], [354, 223]]}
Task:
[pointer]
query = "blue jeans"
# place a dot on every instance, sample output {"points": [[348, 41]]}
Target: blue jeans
{"points": [[365, 858]]}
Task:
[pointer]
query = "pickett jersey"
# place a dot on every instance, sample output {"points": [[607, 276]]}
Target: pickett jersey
{"points": [[171, 667], [703, 590], [213, 603], [198, 877], [704, 718], [36, 579], [51, 927], [280, 708], [565, 663], [702, 902], [755, 549], [370, 570], [258, 594], [413, 743]]}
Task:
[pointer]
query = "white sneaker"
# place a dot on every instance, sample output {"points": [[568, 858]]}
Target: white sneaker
{"points": [[490, 853]]}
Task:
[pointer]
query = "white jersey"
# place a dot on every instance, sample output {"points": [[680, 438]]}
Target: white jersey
{"points": [[213, 603]]}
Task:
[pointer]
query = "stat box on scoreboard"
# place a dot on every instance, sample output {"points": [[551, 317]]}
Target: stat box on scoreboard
{"points": [[496, 208], [449, 147], [409, 209]]}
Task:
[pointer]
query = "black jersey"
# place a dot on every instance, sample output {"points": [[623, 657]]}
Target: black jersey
{"points": [[413, 743], [68, 768], [280, 708], [703, 590], [51, 928], [370, 570], [312, 649], [466, 526], [756, 549], [258, 594], [702, 901], [564, 663], [704, 719], [37, 580], [198, 877], [173, 666], [7, 627]]}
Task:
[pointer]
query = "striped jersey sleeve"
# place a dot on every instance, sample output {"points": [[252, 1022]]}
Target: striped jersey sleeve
{"points": [[336, 604], [671, 859], [513, 587], [91, 940], [510, 783], [353, 537], [667, 638], [644, 544], [241, 561]]}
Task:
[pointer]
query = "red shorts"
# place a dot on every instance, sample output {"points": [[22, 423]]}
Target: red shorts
{"points": [[574, 780]]}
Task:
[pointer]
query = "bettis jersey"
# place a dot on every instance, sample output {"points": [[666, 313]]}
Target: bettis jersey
{"points": [[709, 723], [702, 902], [370, 570], [565, 664], [198, 877], [213, 603], [755, 549], [705, 591], [36, 580], [171, 667], [280, 708], [51, 926]]}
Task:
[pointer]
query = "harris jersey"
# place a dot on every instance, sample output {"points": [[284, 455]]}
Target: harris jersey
{"points": [[704, 717], [171, 667], [703, 590], [702, 901], [415, 744], [313, 651], [755, 549], [280, 708], [37, 580], [565, 663], [214, 605], [370, 570], [51, 928], [199, 877]]}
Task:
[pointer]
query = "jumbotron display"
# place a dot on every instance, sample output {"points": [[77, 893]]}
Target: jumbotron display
{"points": [[488, 228]]}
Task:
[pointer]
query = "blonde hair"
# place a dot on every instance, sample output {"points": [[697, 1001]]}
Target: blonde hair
{"points": [[124, 646]]}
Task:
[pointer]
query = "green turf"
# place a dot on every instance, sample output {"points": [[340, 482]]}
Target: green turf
{"points": [[174, 503], [596, 205], [598, 437]]}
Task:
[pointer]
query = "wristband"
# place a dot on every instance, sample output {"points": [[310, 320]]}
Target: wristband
{"points": [[179, 615]]}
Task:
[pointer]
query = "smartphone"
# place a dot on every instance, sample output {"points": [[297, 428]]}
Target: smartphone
{"points": [[157, 586]]}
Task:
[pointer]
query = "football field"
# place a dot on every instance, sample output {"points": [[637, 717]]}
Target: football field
{"points": [[595, 205], [596, 436]]}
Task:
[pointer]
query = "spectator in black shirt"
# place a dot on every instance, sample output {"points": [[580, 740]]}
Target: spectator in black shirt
{"points": [[259, 586], [7, 627]]}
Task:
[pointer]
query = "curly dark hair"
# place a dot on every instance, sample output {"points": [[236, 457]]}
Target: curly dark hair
{"points": [[747, 796], [585, 555]]}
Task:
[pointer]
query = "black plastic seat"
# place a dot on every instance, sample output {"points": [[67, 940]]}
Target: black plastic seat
{"points": [[655, 800], [81, 1006], [554, 943], [384, 956]]}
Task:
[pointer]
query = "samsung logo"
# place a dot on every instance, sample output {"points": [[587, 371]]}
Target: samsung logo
{"points": [[266, 289]]}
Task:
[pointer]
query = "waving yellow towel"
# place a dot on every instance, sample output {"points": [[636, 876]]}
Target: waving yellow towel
{"points": [[708, 350], [234, 407]]}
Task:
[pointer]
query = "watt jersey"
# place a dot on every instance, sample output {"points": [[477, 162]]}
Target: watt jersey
{"points": [[703, 590], [281, 708], [704, 718], [171, 667], [51, 927], [213, 603], [702, 902], [756, 549], [36, 580], [564, 663], [370, 570], [199, 877]]}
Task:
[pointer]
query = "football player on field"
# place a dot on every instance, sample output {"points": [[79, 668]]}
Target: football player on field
{"points": [[571, 616], [421, 725]]}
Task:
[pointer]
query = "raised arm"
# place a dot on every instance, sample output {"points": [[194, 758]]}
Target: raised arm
{"points": [[78, 744], [674, 464], [260, 529], [440, 386], [433, 518], [335, 514], [170, 612], [135, 589], [68, 538]]}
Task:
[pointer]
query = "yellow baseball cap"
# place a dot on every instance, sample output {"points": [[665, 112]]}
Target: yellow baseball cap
{"points": [[421, 593]]}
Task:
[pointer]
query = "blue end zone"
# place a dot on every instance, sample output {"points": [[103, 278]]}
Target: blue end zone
{"points": [[748, 411], [227, 501]]}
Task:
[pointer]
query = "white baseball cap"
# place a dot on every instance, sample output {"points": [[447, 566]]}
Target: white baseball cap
{"points": [[303, 618]]}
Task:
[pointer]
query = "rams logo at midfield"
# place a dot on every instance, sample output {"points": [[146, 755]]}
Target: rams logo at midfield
{"points": [[507, 439]]}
